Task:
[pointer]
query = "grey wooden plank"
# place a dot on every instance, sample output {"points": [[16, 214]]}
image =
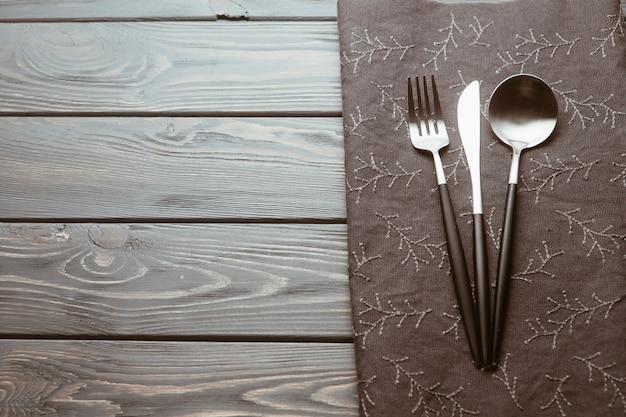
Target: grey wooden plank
{"points": [[215, 281], [108, 379], [192, 68], [41, 10], [171, 168]]}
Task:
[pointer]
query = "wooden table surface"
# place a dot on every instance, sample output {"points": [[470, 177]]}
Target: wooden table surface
{"points": [[172, 210], [173, 222]]}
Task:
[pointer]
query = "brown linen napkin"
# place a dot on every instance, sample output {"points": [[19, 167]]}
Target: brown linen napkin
{"points": [[563, 351]]}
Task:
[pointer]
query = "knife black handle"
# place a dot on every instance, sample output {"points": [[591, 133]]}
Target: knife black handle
{"points": [[460, 277], [483, 295], [503, 277]]}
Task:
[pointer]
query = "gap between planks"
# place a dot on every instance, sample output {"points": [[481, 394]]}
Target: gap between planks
{"points": [[179, 114], [170, 220], [261, 338]]}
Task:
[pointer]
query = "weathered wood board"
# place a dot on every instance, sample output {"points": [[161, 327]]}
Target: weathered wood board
{"points": [[181, 67], [171, 168], [108, 379], [204, 281], [42, 10]]}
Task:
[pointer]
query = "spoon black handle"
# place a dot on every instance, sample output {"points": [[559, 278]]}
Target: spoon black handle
{"points": [[460, 277], [504, 269], [483, 296]]}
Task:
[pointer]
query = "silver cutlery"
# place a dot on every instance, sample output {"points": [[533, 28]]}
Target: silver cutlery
{"points": [[522, 114], [428, 132], [468, 113]]}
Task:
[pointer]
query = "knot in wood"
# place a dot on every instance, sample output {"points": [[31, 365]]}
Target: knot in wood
{"points": [[108, 236]]}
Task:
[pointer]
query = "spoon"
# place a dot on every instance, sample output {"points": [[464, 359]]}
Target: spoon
{"points": [[522, 114]]}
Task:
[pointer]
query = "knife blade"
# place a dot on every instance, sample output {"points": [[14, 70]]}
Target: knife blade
{"points": [[468, 113]]}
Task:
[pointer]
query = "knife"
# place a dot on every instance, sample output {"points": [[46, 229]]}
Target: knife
{"points": [[468, 113]]}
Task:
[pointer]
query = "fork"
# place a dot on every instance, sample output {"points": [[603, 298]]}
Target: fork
{"points": [[427, 131]]}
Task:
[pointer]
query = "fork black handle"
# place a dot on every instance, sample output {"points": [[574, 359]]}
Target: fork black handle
{"points": [[460, 276]]}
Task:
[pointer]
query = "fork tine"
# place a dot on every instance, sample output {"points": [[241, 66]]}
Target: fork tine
{"points": [[427, 112], [414, 129], [411, 102], [438, 112], [421, 110]]}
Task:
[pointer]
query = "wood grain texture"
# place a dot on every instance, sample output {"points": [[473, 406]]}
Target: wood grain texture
{"points": [[186, 68], [34, 10], [192, 280], [172, 168], [43, 10], [108, 379], [166, 278]]}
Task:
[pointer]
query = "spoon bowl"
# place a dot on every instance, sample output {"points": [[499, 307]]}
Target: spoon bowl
{"points": [[522, 113]]}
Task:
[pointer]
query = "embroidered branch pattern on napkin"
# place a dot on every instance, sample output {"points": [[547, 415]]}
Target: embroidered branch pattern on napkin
{"points": [[563, 352]]}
